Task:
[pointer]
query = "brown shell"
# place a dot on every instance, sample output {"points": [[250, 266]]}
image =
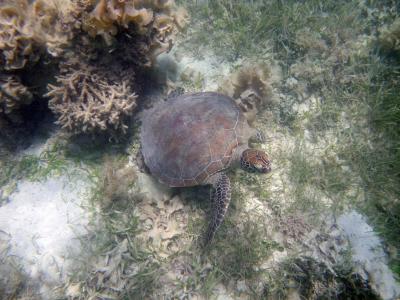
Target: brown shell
{"points": [[188, 138]]}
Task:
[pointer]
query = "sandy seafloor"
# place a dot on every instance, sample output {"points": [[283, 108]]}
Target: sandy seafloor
{"points": [[42, 223]]}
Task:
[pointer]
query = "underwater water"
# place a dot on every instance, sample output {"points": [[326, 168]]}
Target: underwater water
{"points": [[108, 168]]}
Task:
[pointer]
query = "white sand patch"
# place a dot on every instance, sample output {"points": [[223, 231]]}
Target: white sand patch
{"points": [[211, 68], [368, 254], [208, 70], [40, 224]]}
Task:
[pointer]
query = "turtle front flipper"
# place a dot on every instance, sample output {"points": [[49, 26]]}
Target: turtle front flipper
{"points": [[220, 199]]}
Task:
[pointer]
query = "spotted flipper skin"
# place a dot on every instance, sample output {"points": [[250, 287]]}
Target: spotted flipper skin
{"points": [[221, 198]]}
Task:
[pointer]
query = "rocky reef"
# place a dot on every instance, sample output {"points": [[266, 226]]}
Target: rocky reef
{"points": [[29, 31], [150, 25], [50, 37], [13, 95]]}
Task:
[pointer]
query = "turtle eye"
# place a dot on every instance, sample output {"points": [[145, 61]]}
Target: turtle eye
{"points": [[255, 161], [264, 164]]}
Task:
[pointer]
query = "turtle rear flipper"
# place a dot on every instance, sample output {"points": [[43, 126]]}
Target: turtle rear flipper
{"points": [[220, 198]]}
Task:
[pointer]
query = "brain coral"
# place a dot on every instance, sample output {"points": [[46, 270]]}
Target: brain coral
{"points": [[88, 100], [13, 95], [29, 27], [157, 20]]}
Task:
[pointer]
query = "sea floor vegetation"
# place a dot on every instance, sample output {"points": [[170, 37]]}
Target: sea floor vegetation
{"points": [[319, 79]]}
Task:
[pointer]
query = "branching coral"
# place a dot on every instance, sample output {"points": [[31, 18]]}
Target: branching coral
{"points": [[156, 20], [27, 28], [250, 87], [87, 100], [13, 95]]}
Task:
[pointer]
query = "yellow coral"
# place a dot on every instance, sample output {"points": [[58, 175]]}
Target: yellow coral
{"points": [[105, 17], [87, 101], [15, 42], [157, 19], [181, 17], [28, 27], [53, 22]]}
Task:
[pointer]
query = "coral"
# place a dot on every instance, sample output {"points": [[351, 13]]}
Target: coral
{"points": [[88, 100], [313, 73], [16, 43], [13, 95], [108, 15], [250, 87], [53, 24], [310, 41], [27, 28], [157, 21], [389, 39]]}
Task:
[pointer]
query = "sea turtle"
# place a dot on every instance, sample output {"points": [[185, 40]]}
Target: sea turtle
{"points": [[192, 139]]}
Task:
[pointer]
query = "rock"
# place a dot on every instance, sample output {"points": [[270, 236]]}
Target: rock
{"points": [[368, 254]]}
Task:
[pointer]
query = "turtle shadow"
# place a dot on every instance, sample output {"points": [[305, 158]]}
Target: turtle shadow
{"points": [[197, 196]]}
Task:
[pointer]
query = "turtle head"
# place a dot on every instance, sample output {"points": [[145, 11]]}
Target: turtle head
{"points": [[253, 160]]}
